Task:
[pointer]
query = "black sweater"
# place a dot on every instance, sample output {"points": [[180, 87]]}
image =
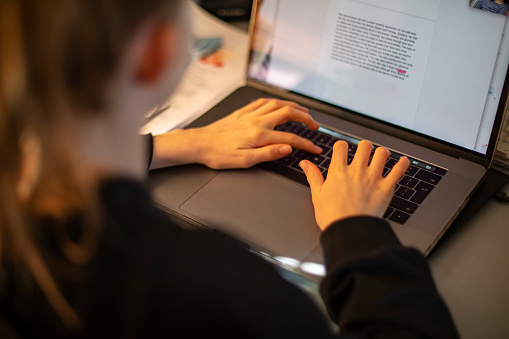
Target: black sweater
{"points": [[150, 278]]}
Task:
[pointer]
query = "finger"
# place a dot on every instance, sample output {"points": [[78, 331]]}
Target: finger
{"points": [[251, 157], [313, 175], [253, 106], [377, 165], [398, 171], [285, 114], [263, 106], [361, 158], [278, 137], [339, 156], [271, 105]]}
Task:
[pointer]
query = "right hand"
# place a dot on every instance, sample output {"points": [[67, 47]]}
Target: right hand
{"points": [[352, 190], [242, 139]]}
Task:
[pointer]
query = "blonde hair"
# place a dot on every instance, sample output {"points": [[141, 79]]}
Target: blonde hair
{"points": [[56, 57]]}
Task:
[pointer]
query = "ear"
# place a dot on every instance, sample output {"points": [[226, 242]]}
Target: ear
{"points": [[159, 52]]}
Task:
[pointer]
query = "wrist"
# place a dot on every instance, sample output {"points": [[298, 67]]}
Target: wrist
{"points": [[177, 147]]}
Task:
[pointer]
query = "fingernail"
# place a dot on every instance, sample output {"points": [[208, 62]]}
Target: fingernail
{"points": [[304, 166], [285, 150], [318, 149]]}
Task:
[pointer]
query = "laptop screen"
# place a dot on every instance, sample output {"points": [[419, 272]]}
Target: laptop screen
{"points": [[436, 67]]}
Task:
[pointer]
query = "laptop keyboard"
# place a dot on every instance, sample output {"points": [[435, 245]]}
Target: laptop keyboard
{"points": [[419, 180]]}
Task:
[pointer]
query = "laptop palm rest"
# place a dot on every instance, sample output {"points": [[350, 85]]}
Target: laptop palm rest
{"points": [[268, 213]]}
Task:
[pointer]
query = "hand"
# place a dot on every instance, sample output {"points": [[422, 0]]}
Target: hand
{"points": [[356, 189], [240, 140], [247, 137]]}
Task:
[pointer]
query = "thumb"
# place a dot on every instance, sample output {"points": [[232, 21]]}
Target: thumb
{"points": [[313, 174]]}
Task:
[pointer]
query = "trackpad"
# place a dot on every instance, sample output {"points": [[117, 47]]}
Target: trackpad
{"points": [[260, 209]]}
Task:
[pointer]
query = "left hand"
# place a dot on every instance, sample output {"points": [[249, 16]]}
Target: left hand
{"points": [[240, 140], [356, 189]]}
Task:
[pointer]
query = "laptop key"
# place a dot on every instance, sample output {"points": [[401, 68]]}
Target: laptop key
{"points": [[408, 181], [385, 172], [422, 190], [411, 171], [297, 129], [327, 151], [286, 161], [403, 205], [391, 162], [284, 127], [429, 177], [296, 166], [326, 163], [316, 159], [332, 141], [352, 149], [399, 217], [440, 171], [322, 139], [310, 135], [404, 192], [388, 212], [300, 154]]}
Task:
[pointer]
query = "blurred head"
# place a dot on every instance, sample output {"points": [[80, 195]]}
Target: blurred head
{"points": [[63, 64]]}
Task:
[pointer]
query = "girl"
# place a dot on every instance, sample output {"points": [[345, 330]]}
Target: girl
{"points": [[84, 252]]}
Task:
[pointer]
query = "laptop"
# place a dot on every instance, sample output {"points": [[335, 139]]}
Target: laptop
{"points": [[424, 78]]}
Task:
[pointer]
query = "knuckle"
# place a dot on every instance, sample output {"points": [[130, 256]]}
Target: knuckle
{"points": [[292, 138], [272, 102], [286, 110], [262, 101], [256, 134]]}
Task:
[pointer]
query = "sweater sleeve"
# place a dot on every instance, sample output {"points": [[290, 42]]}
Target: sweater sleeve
{"points": [[148, 139], [378, 288]]}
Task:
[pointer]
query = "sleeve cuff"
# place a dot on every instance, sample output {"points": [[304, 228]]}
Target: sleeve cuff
{"points": [[357, 236]]}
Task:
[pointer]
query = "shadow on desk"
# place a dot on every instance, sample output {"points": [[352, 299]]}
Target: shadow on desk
{"points": [[494, 181]]}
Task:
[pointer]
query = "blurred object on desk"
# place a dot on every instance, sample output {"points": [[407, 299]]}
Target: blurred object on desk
{"points": [[228, 10], [213, 73]]}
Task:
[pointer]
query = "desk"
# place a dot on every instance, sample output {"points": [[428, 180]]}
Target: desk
{"points": [[471, 270]]}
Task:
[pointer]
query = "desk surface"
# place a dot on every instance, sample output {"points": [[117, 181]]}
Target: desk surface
{"points": [[471, 270]]}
